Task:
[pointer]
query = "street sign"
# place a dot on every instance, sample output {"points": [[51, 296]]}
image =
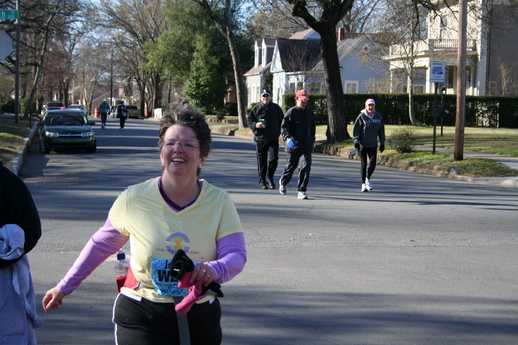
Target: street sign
{"points": [[437, 72], [8, 14], [6, 45]]}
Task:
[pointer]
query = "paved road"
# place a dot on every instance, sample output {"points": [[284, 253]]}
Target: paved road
{"points": [[420, 260]]}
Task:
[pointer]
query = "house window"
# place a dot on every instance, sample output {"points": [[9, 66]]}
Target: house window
{"points": [[417, 88], [443, 29], [351, 86], [269, 55]]}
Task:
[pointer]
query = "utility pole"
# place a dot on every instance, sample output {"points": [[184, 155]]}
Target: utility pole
{"points": [[460, 119], [17, 68], [111, 79]]}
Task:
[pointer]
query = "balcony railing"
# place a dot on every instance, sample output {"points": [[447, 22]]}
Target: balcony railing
{"points": [[431, 45], [471, 45]]}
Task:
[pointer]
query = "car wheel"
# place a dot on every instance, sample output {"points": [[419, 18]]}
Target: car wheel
{"points": [[44, 149], [92, 149]]}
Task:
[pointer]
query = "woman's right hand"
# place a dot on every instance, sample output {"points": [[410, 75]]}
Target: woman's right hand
{"points": [[53, 299]]}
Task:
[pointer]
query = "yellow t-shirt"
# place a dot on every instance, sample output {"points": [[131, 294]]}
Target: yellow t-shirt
{"points": [[157, 231]]}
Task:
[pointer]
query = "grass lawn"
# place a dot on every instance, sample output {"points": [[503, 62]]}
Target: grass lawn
{"points": [[503, 141], [11, 137]]}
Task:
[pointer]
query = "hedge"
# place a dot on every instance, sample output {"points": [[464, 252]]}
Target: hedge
{"points": [[487, 111]]}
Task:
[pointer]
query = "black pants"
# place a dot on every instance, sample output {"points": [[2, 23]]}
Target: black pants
{"points": [[304, 169], [267, 158], [122, 121], [103, 118], [147, 323], [372, 153]]}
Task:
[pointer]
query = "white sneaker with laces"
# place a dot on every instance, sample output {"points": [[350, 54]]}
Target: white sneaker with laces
{"points": [[368, 184], [302, 195], [364, 188]]}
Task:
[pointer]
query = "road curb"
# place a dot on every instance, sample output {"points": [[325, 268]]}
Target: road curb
{"points": [[17, 162]]}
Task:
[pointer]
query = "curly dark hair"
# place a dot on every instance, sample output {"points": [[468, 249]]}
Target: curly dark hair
{"points": [[188, 117]]}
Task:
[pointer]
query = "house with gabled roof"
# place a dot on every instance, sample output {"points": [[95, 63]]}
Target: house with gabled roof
{"points": [[254, 78], [296, 63]]}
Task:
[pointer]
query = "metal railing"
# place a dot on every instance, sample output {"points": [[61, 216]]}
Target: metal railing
{"points": [[430, 45]]}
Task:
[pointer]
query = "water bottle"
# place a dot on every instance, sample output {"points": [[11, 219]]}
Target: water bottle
{"points": [[121, 270]]}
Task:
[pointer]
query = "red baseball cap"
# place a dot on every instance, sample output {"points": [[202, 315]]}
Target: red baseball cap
{"points": [[302, 94]]}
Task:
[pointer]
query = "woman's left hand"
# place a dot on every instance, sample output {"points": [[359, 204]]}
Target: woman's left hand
{"points": [[202, 272]]}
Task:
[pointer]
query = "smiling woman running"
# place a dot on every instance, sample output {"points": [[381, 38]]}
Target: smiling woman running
{"points": [[177, 210]]}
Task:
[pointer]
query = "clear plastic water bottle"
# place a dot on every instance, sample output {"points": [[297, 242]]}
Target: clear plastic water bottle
{"points": [[121, 270]]}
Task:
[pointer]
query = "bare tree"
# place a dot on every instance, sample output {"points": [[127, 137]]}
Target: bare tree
{"points": [[329, 13], [299, 57], [273, 19], [507, 83], [135, 27], [55, 20], [404, 24]]}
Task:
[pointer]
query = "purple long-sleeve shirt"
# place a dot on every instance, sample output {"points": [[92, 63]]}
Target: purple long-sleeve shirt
{"points": [[231, 256]]}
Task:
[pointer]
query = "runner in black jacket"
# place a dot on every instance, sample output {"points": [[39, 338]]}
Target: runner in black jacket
{"points": [[298, 131], [265, 121]]}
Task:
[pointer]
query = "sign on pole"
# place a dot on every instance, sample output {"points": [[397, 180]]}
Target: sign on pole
{"points": [[6, 45], [437, 72], [8, 14]]}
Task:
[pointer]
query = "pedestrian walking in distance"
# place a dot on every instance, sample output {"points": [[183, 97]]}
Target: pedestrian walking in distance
{"points": [[104, 109], [265, 122], [368, 128], [298, 131]]}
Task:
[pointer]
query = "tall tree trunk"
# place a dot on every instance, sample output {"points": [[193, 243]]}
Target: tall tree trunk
{"points": [[224, 25], [238, 76], [28, 109], [337, 130]]}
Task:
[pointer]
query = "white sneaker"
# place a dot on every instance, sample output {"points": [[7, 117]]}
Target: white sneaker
{"points": [[368, 184], [364, 188], [302, 195]]}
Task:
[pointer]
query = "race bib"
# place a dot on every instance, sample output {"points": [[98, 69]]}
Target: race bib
{"points": [[161, 277]]}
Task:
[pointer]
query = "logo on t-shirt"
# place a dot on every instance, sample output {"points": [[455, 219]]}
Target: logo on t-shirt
{"points": [[178, 241]]}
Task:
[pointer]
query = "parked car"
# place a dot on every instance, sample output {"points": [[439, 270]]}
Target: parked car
{"points": [[79, 106], [133, 111], [113, 112], [65, 129], [52, 105]]}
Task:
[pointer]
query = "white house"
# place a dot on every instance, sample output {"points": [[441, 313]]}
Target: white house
{"points": [[296, 63], [491, 49], [263, 52]]}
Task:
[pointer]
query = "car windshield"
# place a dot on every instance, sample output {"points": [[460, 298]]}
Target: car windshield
{"points": [[65, 120]]}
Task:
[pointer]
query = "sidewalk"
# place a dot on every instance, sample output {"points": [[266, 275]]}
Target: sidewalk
{"points": [[428, 169]]}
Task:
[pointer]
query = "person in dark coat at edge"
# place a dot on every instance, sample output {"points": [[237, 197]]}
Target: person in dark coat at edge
{"points": [[298, 131], [265, 121], [20, 230]]}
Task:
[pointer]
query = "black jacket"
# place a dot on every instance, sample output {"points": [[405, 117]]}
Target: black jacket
{"points": [[272, 115], [299, 124], [17, 207]]}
